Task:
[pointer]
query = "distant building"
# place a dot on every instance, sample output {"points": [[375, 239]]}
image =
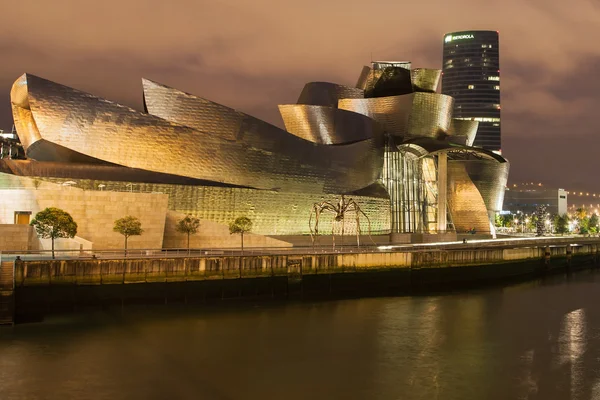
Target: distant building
{"points": [[526, 198], [10, 147], [9, 135], [587, 200], [471, 74]]}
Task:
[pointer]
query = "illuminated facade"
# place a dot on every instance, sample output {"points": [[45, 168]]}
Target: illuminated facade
{"points": [[472, 77], [391, 143]]}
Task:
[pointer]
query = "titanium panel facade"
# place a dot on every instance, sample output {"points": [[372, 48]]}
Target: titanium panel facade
{"points": [[490, 178], [262, 157], [389, 81], [466, 206], [47, 169], [363, 78], [425, 80], [463, 131], [412, 115], [186, 109], [327, 125], [327, 94]]}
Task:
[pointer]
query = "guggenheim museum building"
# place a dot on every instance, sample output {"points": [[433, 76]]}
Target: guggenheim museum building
{"points": [[390, 143]]}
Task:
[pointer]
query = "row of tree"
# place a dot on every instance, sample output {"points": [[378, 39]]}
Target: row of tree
{"points": [[581, 221], [54, 223]]}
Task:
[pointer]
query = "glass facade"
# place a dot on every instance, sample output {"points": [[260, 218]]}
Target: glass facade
{"points": [[471, 74]]}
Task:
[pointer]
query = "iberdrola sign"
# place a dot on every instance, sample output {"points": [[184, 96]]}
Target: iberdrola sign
{"points": [[450, 38]]}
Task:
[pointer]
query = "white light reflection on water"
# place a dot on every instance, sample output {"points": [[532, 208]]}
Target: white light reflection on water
{"points": [[572, 346]]}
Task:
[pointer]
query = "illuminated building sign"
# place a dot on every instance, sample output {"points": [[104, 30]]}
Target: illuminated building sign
{"points": [[450, 38]]}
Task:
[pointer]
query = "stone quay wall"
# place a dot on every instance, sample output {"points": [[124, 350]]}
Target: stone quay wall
{"points": [[140, 270]]}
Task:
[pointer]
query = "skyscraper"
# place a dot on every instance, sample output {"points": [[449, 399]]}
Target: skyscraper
{"points": [[471, 74]]}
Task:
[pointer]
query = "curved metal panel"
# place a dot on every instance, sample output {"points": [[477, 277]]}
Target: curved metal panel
{"points": [[466, 205], [33, 143], [74, 170], [391, 113], [431, 115], [186, 109], [412, 115], [363, 78], [22, 117], [463, 131], [327, 125], [390, 81], [425, 80], [327, 94], [490, 177], [264, 156]]}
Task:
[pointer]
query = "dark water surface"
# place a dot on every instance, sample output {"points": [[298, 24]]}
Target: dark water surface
{"points": [[539, 340]]}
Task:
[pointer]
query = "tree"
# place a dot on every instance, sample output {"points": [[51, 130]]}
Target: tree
{"points": [[52, 223], [561, 224], [241, 225], [188, 225], [498, 221], [581, 213], [128, 226], [593, 223]]}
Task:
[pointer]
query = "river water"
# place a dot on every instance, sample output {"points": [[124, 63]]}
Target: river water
{"points": [[539, 340]]}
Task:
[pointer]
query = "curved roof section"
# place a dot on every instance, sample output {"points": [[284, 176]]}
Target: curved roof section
{"points": [[263, 156], [425, 80], [327, 94], [411, 115], [428, 146], [463, 131], [196, 112], [327, 125]]}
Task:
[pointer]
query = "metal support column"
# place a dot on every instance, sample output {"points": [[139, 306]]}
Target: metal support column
{"points": [[442, 169]]}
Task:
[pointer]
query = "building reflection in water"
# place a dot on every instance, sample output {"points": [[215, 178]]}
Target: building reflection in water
{"points": [[533, 341]]}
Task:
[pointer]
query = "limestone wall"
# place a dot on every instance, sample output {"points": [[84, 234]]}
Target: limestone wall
{"points": [[213, 235], [17, 237], [94, 212]]}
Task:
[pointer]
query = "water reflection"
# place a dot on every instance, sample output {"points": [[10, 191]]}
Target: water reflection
{"points": [[535, 341]]}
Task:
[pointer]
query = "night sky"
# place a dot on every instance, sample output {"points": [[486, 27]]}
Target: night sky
{"points": [[253, 55]]}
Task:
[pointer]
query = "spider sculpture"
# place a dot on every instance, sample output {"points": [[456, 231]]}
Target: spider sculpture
{"points": [[339, 210]]}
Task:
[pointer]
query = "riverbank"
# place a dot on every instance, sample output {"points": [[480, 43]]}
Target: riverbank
{"points": [[46, 287]]}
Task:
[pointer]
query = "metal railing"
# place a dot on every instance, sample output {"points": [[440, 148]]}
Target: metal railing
{"points": [[175, 253], [30, 255]]}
